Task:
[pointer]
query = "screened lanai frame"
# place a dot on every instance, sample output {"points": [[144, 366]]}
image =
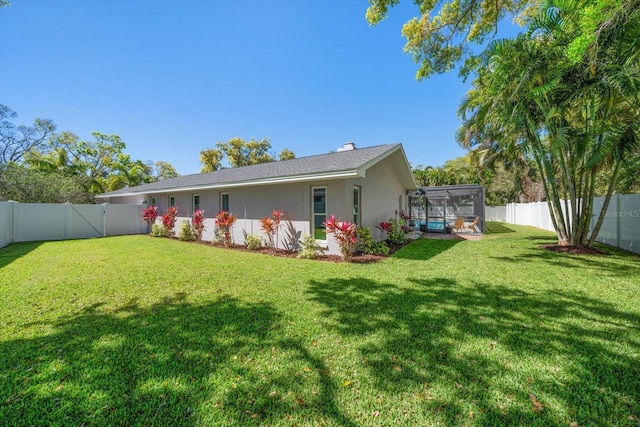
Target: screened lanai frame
{"points": [[434, 209]]}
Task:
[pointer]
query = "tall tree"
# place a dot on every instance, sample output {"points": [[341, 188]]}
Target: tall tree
{"points": [[571, 117], [211, 160], [242, 153], [165, 170], [286, 154], [126, 172], [445, 32], [17, 141]]}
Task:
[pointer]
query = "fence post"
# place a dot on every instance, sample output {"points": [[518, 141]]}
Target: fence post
{"points": [[104, 219], [618, 218], [68, 226], [14, 220]]}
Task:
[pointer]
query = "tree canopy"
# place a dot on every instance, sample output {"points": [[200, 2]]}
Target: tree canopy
{"points": [[445, 32], [16, 141], [70, 168], [573, 117], [239, 152]]}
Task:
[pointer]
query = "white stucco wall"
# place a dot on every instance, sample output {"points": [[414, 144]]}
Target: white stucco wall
{"points": [[380, 190]]}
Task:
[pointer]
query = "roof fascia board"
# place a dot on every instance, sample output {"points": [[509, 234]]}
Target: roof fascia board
{"points": [[279, 180], [362, 170]]}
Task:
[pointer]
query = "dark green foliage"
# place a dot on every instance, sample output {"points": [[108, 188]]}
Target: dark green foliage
{"points": [[367, 245], [26, 185]]}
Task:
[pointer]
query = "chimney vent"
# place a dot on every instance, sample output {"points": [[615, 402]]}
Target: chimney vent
{"points": [[348, 146]]}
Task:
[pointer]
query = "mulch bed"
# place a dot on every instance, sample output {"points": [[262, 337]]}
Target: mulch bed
{"points": [[573, 250], [356, 259]]}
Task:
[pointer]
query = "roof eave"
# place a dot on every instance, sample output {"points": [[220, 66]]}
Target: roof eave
{"points": [[408, 181], [276, 180]]}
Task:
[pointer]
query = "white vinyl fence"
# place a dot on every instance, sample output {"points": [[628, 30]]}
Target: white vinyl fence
{"points": [[621, 225], [24, 222]]}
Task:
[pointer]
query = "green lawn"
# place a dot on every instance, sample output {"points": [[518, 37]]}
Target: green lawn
{"points": [[134, 330]]}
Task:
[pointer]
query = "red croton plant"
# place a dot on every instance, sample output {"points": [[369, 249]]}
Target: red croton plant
{"points": [[345, 234], [225, 221], [270, 227], [149, 215], [198, 223], [169, 219]]}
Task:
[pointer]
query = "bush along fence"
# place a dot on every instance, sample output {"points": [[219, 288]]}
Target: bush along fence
{"points": [[620, 228], [277, 233]]}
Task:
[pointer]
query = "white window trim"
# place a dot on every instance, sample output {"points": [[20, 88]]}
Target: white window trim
{"points": [[322, 242], [228, 200], [359, 188], [193, 201]]}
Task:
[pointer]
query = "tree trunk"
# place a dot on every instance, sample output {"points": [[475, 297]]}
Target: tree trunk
{"points": [[605, 205]]}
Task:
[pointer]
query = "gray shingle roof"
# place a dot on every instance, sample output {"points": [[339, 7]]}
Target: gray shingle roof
{"points": [[331, 163]]}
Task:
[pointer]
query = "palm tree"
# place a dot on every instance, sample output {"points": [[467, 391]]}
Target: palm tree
{"points": [[571, 118]]}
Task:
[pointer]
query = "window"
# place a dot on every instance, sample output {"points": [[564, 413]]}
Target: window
{"points": [[319, 212], [224, 202], [196, 202], [356, 205], [400, 203], [172, 201], [153, 201]]}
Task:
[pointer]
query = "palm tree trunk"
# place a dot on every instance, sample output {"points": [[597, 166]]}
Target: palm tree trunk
{"points": [[605, 205]]}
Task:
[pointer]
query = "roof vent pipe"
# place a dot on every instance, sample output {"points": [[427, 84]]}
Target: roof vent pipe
{"points": [[348, 146]]}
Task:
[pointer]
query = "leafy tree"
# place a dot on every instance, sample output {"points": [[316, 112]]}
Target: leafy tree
{"points": [[211, 160], [242, 153], [101, 165], [126, 172], [502, 184], [27, 185], [16, 141], [286, 154], [164, 170], [444, 33], [532, 101]]}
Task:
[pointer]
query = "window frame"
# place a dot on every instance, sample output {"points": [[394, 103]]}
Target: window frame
{"points": [[357, 205], [172, 201], [314, 214], [195, 205], [222, 203]]}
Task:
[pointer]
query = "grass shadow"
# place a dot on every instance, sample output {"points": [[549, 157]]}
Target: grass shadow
{"points": [[563, 260], [14, 251], [165, 364], [423, 249], [482, 351], [493, 227]]}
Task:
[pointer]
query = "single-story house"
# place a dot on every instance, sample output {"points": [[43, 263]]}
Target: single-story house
{"points": [[361, 185]]}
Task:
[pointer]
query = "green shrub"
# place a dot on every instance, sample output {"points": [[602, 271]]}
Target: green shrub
{"points": [[370, 246], [159, 230], [252, 242], [309, 248], [397, 232], [186, 232]]}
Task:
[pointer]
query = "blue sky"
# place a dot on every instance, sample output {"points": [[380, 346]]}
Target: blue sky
{"points": [[173, 78]]}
